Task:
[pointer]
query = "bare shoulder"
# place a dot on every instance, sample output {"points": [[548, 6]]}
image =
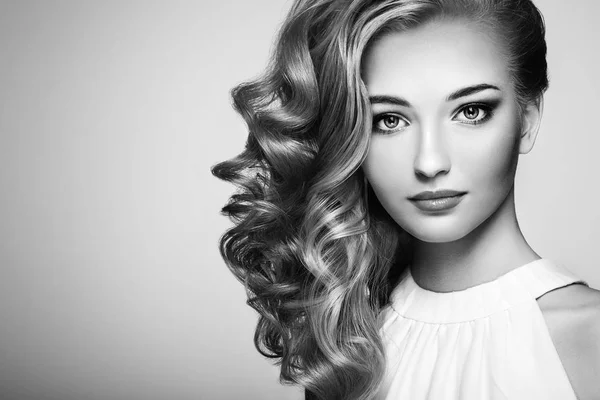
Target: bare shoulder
{"points": [[572, 314]]}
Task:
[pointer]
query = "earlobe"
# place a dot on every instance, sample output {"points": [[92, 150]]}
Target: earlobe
{"points": [[530, 124]]}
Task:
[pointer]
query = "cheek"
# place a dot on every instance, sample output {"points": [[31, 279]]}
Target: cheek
{"points": [[491, 162], [387, 167], [490, 165]]}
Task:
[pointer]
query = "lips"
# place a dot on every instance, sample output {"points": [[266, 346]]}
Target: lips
{"points": [[438, 194], [438, 201]]}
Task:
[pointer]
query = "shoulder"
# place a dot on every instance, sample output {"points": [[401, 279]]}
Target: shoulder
{"points": [[572, 314]]}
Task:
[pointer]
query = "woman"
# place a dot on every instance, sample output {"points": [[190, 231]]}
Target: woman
{"points": [[376, 229]]}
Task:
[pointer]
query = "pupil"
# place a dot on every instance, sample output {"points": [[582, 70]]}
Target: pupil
{"points": [[390, 121], [471, 112]]}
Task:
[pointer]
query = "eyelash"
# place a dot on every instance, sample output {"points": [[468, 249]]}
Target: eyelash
{"points": [[487, 109]]}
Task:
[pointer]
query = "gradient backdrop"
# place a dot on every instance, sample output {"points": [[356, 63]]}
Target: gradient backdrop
{"points": [[111, 113]]}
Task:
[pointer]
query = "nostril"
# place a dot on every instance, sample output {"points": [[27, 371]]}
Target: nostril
{"points": [[423, 175], [432, 165]]}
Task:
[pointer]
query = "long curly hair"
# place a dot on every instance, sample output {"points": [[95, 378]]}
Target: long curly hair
{"points": [[317, 253]]}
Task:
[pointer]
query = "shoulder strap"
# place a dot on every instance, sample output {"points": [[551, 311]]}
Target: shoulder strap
{"points": [[544, 276]]}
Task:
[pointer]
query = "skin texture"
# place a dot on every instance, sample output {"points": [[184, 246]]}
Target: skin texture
{"points": [[572, 316], [434, 146], [429, 145]]}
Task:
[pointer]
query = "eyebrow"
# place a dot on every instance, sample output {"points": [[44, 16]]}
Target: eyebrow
{"points": [[469, 90]]}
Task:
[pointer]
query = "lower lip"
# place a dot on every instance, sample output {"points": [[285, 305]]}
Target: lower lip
{"points": [[441, 204]]}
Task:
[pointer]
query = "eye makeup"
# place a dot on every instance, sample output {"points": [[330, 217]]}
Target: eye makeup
{"points": [[488, 112], [487, 106], [387, 123]]}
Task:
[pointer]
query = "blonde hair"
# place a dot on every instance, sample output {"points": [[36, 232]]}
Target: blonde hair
{"points": [[316, 251]]}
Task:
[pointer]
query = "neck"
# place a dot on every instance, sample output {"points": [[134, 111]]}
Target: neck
{"points": [[494, 248]]}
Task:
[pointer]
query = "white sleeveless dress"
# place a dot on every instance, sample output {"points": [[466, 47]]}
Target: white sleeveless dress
{"points": [[487, 342]]}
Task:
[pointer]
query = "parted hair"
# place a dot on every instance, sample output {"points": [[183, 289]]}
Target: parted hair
{"points": [[317, 253]]}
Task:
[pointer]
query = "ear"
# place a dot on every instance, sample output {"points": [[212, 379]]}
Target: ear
{"points": [[531, 119]]}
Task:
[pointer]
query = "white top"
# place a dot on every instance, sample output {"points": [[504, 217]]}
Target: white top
{"points": [[488, 341]]}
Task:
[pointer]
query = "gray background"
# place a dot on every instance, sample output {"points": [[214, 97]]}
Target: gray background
{"points": [[111, 113]]}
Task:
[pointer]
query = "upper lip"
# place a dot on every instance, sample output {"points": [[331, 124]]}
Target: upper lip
{"points": [[428, 195]]}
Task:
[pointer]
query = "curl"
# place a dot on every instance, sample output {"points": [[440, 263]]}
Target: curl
{"points": [[303, 243], [317, 253]]}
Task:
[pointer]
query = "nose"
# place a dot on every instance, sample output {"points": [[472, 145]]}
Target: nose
{"points": [[432, 156]]}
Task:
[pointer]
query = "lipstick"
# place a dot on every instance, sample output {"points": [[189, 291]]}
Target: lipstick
{"points": [[437, 201]]}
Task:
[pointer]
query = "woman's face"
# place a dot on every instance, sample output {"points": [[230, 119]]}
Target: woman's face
{"points": [[445, 117]]}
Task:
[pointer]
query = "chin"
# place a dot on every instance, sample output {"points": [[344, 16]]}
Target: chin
{"points": [[430, 237], [437, 234]]}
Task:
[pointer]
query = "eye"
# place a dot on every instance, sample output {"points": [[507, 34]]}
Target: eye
{"points": [[474, 114], [389, 123]]}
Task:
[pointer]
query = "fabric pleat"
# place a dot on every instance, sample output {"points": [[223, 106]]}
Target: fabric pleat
{"points": [[489, 341]]}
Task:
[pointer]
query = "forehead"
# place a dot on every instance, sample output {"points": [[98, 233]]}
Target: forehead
{"points": [[434, 59]]}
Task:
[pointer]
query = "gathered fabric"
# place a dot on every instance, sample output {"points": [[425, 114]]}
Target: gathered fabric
{"points": [[488, 341]]}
